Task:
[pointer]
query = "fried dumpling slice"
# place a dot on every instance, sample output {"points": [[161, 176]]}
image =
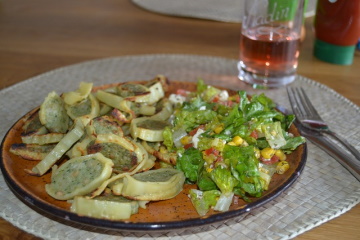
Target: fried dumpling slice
{"points": [[88, 107], [105, 207], [153, 185], [79, 176], [59, 150], [148, 129], [104, 125], [32, 152], [132, 90], [42, 139], [33, 125], [53, 114], [124, 152]]}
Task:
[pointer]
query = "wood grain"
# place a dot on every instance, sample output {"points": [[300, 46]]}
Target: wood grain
{"points": [[39, 35]]}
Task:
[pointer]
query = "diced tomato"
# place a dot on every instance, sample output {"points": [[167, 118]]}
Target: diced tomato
{"points": [[272, 160], [228, 103], [254, 134], [215, 99], [189, 145], [219, 159], [193, 132], [181, 92], [212, 151], [237, 98]]}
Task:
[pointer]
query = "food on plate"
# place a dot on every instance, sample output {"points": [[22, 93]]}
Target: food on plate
{"points": [[79, 176], [33, 152], [125, 145], [106, 207], [228, 145], [153, 185], [53, 114]]}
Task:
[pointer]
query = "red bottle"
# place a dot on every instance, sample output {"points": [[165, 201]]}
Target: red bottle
{"points": [[337, 30]]}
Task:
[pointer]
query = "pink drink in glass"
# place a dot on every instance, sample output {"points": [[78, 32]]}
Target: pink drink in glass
{"points": [[269, 54]]}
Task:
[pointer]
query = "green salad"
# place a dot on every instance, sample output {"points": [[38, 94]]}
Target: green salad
{"points": [[227, 145]]}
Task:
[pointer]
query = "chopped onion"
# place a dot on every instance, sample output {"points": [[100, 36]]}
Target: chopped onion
{"points": [[178, 134], [224, 202]]}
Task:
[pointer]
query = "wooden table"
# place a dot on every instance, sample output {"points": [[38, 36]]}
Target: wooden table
{"points": [[40, 35]]}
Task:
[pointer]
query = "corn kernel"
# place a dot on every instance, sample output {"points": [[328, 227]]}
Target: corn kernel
{"points": [[231, 143], [280, 154], [264, 170], [257, 152], [267, 152], [162, 149], [219, 128], [237, 140], [282, 167], [209, 169], [185, 140]]}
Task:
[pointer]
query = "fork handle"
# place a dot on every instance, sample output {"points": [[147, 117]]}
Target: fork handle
{"points": [[345, 143], [345, 159]]}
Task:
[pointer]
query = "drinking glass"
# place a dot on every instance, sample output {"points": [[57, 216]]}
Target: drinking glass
{"points": [[270, 42]]}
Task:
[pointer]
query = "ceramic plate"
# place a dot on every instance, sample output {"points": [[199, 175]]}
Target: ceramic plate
{"points": [[166, 215]]}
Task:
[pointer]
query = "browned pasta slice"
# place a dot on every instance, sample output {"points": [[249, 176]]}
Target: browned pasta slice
{"points": [[60, 149], [153, 185], [79, 176], [134, 92], [53, 114], [148, 129], [105, 207], [166, 109], [122, 151], [104, 125], [114, 178], [144, 163], [32, 152], [118, 103], [87, 107], [42, 139], [32, 125], [120, 116]]}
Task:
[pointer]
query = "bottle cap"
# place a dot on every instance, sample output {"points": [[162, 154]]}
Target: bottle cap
{"points": [[331, 53]]}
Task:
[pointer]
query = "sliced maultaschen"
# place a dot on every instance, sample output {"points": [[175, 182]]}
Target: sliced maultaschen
{"points": [[79, 176], [53, 114], [106, 207], [153, 185]]}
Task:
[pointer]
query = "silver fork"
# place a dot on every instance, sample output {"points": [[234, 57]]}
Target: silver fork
{"points": [[307, 115]]}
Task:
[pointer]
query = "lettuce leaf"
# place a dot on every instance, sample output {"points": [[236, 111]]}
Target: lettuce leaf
{"points": [[274, 134], [292, 143], [223, 179], [203, 200], [168, 138], [191, 119], [204, 181], [244, 167], [189, 163]]}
